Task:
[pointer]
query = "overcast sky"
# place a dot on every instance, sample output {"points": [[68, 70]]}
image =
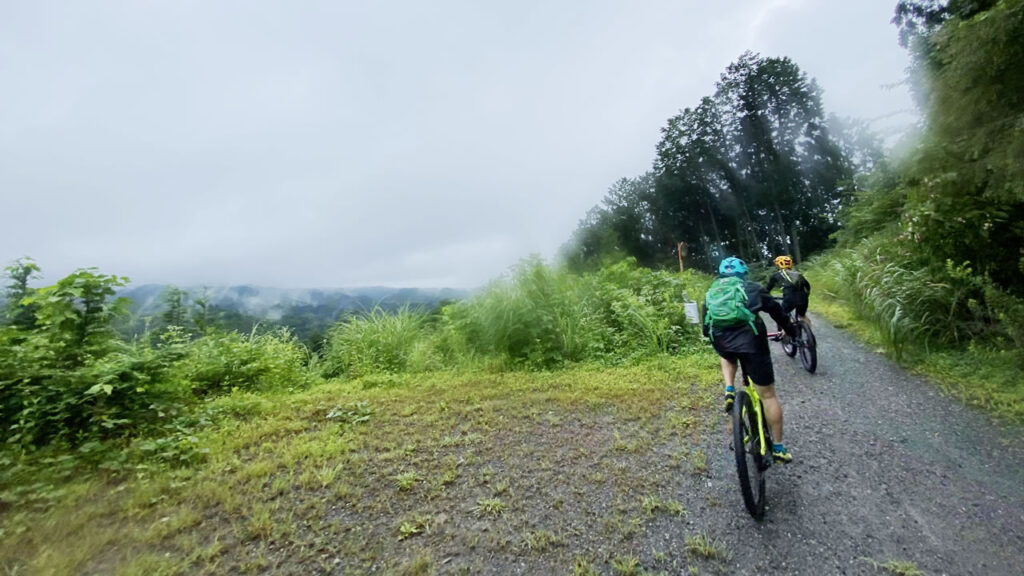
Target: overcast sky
{"points": [[342, 143]]}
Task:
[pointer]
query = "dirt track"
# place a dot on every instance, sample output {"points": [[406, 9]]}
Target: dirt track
{"points": [[886, 468]]}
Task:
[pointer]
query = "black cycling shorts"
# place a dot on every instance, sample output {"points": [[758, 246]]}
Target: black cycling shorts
{"points": [[757, 366], [800, 304]]}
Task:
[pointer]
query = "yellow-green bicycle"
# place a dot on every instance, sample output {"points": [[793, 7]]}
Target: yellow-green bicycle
{"points": [[752, 443]]}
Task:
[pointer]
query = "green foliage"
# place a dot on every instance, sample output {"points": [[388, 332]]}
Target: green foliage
{"points": [[947, 321], [964, 186], [378, 342], [538, 317], [877, 206], [643, 311], [16, 311], [752, 170], [620, 227], [226, 361], [175, 312], [69, 379], [542, 317], [912, 301], [932, 253], [352, 413]]}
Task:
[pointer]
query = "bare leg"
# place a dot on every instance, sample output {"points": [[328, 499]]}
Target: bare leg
{"points": [[728, 371], [772, 410]]}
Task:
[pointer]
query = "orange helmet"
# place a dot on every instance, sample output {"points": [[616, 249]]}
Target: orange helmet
{"points": [[784, 262]]}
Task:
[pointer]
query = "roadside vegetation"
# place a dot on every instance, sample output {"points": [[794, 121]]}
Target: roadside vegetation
{"points": [[919, 250], [929, 259], [195, 449], [510, 423]]}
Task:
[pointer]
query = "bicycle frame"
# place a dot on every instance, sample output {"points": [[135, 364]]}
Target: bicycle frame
{"points": [[762, 424], [753, 456]]}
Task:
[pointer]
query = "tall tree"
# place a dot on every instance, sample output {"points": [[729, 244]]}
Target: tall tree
{"points": [[175, 312], [751, 170], [965, 187], [17, 311]]}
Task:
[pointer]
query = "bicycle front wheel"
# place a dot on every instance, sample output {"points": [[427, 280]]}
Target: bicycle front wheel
{"points": [[747, 445], [808, 349]]}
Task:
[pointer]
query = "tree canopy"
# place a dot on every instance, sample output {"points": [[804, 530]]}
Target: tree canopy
{"points": [[751, 170]]}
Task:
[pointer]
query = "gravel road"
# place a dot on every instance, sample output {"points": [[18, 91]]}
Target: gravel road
{"points": [[886, 468]]}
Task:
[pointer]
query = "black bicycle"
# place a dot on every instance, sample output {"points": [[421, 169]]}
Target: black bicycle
{"points": [[803, 343]]}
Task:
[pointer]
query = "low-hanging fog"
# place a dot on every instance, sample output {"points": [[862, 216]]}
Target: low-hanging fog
{"points": [[404, 143]]}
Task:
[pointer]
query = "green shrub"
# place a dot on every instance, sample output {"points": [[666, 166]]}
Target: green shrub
{"points": [[537, 317], [222, 362], [379, 342], [543, 317], [68, 378], [908, 300]]}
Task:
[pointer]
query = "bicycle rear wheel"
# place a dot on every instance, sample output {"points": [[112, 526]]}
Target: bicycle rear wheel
{"points": [[788, 346], [746, 444], [808, 348]]}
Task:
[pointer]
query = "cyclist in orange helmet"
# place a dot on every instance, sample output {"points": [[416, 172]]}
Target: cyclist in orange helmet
{"points": [[796, 290]]}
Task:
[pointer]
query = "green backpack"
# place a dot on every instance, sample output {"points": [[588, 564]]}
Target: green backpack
{"points": [[726, 302]]}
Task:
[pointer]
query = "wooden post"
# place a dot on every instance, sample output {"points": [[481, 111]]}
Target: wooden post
{"points": [[680, 247]]}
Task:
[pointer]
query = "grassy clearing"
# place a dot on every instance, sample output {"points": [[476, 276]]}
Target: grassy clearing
{"points": [[399, 475]]}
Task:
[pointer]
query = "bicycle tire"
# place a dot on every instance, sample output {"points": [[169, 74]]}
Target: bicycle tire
{"points": [[749, 462], [789, 346], [808, 348]]}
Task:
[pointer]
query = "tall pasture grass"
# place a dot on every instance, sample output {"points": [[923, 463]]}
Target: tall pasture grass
{"points": [[378, 342], [536, 317], [944, 320], [913, 303]]}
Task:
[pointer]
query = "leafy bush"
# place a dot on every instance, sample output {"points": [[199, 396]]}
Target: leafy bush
{"points": [[542, 317], [379, 343], [644, 310], [910, 300], [537, 317], [68, 378], [225, 361]]}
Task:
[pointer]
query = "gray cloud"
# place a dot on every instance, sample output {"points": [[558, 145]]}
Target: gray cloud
{"points": [[351, 143]]}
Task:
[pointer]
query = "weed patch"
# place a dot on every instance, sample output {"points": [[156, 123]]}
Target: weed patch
{"points": [[334, 474]]}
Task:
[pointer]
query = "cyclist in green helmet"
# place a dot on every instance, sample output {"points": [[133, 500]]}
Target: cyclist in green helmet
{"points": [[740, 338]]}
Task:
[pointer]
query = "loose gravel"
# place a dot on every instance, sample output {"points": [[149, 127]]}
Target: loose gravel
{"points": [[886, 469]]}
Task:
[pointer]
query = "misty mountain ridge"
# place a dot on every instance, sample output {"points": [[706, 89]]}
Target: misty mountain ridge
{"points": [[273, 303]]}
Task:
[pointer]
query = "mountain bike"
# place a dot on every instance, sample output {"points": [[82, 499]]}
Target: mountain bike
{"points": [[804, 343], [752, 443]]}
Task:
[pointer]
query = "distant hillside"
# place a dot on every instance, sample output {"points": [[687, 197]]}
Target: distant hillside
{"points": [[309, 313], [276, 303]]}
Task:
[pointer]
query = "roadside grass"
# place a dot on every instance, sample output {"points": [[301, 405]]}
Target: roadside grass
{"points": [[704, 546], [397, 475], [978, 375], [896, 567]]}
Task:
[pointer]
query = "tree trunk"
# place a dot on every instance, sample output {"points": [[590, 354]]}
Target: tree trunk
{"points": [[787, 247], [796, 244]]}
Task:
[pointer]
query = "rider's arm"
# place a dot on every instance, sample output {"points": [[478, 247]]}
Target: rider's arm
{"points": [[771, 282]]}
